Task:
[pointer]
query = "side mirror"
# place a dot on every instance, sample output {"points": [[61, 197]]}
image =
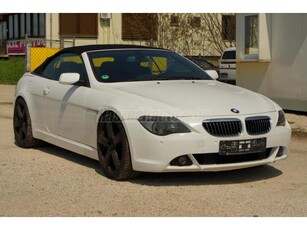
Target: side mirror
{"points": [[213, 74], [69, 78]]}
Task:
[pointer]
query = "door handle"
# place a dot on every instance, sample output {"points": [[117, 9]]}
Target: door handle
{"points": [[46, 91]]}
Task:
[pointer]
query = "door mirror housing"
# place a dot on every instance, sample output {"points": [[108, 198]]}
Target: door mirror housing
{"points": [[69, 78], [212, 73]]}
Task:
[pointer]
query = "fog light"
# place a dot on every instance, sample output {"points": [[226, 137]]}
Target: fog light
{"points": [[280, 152], [181, 161]]}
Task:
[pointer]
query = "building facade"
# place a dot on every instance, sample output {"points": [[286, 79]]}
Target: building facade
{"points": [[188, 34], [272, 56], [16, 28]]}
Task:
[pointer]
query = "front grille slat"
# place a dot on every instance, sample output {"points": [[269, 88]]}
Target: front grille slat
{"points": [[237, 127], [213, 128], [227, 125], [233, 127], [223, 127], [258, 125]]}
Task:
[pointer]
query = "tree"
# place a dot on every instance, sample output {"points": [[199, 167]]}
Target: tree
{"points": [[220, 30], [196, 34]]}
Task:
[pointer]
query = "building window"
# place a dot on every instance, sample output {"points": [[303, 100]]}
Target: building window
{"points": [[35, 25], [22, 25], [16, 27], [79, 25], [28, 24], [229, 27], [140, 26], [3, 30], [41, 25], [174, 20], [11, 27], [251, 24], [196, 22]]}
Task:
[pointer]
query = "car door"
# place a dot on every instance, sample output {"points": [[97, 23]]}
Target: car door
{"points": [[63, 105]]}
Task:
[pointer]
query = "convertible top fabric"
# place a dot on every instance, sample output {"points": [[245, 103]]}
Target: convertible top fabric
{"points": [[86, 48], [81, 49]]}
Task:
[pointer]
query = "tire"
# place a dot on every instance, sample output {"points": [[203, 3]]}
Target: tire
{"points": [[22, 126], [113, 148]]}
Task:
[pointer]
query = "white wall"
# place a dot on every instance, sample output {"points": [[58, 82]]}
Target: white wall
{"points": [[109, 32], [284, 77]]}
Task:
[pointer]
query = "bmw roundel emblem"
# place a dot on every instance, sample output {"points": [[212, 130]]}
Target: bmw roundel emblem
{"points": [[235, 110]]}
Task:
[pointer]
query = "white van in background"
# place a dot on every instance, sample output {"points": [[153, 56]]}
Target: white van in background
{"points": [[228, 66]]}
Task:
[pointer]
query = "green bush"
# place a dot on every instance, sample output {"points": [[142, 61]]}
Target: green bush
{"points": [[11, 70]]}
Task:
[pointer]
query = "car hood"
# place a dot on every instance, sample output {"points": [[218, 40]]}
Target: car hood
{"points": [[196, 98]]}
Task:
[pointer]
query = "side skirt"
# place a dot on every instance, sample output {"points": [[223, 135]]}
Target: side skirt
{"points": [[67, 144]]}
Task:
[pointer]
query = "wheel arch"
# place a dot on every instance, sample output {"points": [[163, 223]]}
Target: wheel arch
{"points": [[22, 97], [117, 113], [28, 140]]}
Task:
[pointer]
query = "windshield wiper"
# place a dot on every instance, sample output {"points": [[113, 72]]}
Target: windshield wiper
{"points": [[157, 78], [189, 78], [168, 78]]}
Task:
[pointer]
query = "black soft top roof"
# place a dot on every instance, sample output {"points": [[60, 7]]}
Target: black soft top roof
{"points": [[81, 49], [85, 48]]}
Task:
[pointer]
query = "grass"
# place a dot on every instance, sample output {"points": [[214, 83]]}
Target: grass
{"points": [[11, 70]]}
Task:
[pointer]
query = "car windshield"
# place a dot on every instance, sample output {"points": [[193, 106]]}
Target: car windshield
{"points": [[143, 65], [229, 55]]}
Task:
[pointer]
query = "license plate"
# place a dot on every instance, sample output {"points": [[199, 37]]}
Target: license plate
{"points": [[242, 146]]}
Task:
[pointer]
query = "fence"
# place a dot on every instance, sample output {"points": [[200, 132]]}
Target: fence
{"points": [[35, 56]]}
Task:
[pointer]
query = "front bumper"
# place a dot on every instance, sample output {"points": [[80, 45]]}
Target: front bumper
{"points": [[151, 153]]}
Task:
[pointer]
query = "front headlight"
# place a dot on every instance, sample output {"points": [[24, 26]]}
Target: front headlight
{"points": [[281, 118], [163, 126]]}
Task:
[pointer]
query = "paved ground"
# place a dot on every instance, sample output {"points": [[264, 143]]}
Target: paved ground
{"points": [[50, 181]]}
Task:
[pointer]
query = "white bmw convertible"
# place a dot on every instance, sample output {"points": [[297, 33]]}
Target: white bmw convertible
{"points": [[141, 109]]}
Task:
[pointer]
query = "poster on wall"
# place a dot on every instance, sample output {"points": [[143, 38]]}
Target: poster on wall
{"points": [[18, 47]]}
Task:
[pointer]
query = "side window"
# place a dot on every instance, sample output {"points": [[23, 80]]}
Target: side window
{"points": [[52, 71], [229, 55], [65, 63]]}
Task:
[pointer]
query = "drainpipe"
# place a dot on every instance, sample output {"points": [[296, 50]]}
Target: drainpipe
{"points": [[50, 30]]}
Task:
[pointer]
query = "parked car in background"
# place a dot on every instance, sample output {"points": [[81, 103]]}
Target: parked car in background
{"points": [[204, 64], [144, 109], [228, 66]]}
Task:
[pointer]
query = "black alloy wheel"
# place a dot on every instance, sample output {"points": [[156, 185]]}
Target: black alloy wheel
{"points": [[22, 126], [113, 148]]}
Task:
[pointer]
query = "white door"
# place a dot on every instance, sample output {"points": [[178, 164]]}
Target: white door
{"points": [[63, 105]]}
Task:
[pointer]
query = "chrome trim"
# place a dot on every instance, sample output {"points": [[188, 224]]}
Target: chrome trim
{"points": [[257, 118], [221, 120]]}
